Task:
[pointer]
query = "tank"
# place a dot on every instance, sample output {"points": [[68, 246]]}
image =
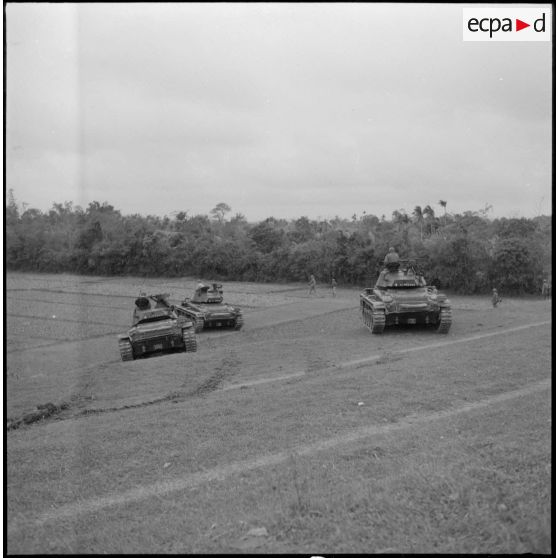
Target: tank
{"points": [[156, 330], [207, 302], [401, 296]]}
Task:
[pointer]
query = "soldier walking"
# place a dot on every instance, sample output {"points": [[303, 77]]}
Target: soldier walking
{"points": [[312, 286], [333, 286], [496, 299]]}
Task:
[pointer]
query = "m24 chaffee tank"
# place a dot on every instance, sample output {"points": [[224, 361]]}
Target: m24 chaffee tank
{"points": [[208, 302], [401, 296], [156, 330]]}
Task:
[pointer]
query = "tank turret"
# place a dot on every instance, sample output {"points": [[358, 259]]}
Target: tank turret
{"points": [[208, 294], [402, 274]]}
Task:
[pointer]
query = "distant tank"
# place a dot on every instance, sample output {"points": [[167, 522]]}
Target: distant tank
{"points": [[156, 330], [401, 296], [210, 310]]}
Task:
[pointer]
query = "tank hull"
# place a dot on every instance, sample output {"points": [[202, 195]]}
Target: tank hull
{"points": [[216, 315]]}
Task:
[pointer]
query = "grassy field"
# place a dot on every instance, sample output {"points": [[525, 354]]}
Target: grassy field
{"points": [[300, 433]]}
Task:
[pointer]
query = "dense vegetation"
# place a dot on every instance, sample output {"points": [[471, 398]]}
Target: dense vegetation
{"points": [[466, 253]]}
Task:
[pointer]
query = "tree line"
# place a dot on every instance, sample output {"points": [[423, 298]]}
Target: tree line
{"points": [[465, 253]]}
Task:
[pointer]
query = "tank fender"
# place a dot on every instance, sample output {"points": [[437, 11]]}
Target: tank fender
{"points": [[189, 312], [375, 304]]}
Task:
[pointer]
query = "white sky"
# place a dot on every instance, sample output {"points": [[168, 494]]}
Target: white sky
{"points": [[278, 110]]}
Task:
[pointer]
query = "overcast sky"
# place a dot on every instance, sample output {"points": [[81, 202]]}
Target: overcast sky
{"points": [[278, 110]]}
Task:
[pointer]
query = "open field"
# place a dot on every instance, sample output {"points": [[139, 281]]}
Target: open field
{"points": [[302, 433]]}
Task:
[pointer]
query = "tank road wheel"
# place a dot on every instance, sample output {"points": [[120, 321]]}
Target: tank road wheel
{"points": [[366, 317], [238, 323], [445, 320], [378, 321], [126, 352], [375, 321], [199, 324], [190, 341]]}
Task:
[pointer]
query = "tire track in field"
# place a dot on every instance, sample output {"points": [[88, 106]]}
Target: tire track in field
{"points": [[68, 293], [375, 357], [65, 410], [70, 320], [442, 344], [67, 303], [55, 341], [215, 382], [220, 473]]}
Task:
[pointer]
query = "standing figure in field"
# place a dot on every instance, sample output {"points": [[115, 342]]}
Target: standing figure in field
{"points": [[496, 298], [333, 286], [312, 285], [545, 289]]}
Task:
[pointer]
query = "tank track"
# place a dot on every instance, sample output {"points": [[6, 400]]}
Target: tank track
{"points": [[125, 347], [238, 323], [190, 341], [445, 320], [374, 320]]}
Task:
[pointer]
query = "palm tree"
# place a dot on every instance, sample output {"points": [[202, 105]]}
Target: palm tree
{"points": [[419, 218], [428, 212], [443, 203], [400, 218]]}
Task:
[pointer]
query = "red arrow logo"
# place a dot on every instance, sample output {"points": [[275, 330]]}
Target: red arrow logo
{"points": [[519, 25]]}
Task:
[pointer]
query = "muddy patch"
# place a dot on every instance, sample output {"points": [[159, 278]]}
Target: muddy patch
{"points": [[228, 368]]}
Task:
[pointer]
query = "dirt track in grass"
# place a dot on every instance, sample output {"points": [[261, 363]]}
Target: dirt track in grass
{"points": [[302, 373]]}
